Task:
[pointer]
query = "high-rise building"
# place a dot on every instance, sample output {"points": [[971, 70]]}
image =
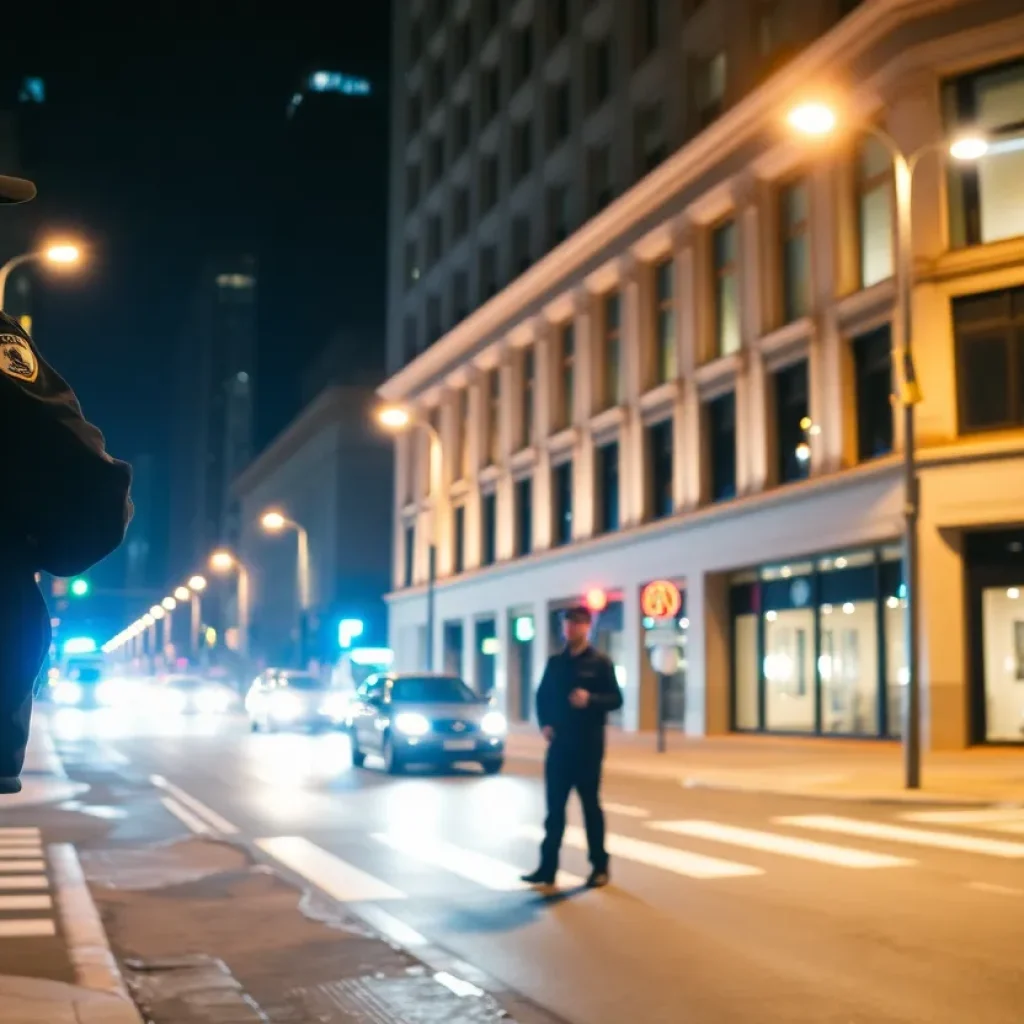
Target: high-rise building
{"points": [[213, 439], [701, 387]]}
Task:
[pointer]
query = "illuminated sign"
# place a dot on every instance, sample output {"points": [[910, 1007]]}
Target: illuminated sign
{"points": [[348, 630], [80, 645], [661, 600], [597, 599], [489, 645], [523, 629]]}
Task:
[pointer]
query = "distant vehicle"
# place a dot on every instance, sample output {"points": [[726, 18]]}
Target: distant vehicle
{"points": [[354, 667], [78, 680], [290, 699], [191, 695], [425, 719]]}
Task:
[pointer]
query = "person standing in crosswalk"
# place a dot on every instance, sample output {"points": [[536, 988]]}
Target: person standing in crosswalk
{"points": [[576, 692]]}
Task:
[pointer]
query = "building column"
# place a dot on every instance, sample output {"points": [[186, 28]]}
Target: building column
{"points": [[543, 399], [691, 282], [633, 654], [633, 346], [501, 661], [473, 546], [469, 652], [707, 654], [583, 483]]}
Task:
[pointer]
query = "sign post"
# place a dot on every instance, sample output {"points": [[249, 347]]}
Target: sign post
{"points": [[661, 602]]}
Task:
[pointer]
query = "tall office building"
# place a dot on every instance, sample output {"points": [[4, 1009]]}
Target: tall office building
{"points": [[692, 404]]}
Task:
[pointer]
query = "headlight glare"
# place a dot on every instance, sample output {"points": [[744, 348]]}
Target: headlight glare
{"points": [[412, 723], [493, 724]]}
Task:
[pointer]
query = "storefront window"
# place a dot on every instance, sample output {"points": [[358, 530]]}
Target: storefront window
{"points": [[746, 678], [788, 661], [1002, 616]]}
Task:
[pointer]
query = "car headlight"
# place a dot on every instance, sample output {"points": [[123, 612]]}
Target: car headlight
{"points": [[213, 702], [67, 692], [173, 701], [493, 724], [412, 723], [285, 705], [335, 706]]}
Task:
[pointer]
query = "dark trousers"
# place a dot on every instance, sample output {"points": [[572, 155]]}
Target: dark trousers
{"points": [[564, 771]]}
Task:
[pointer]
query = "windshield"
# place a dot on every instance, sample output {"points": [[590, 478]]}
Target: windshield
{"points": [[302, 681], [432, 690], [187, 682], [84, 673]]}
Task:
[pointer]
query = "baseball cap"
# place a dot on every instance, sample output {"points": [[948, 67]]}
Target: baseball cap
{"points": [[16, 190], [578, 613]]}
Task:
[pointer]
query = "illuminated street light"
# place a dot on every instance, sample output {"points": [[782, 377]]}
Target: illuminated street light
{"points": [[273, 521], [197, 584], [157, 613], [394, 417], [182, 594], [148, 619], [62, 254], [812, 119], [222, 561], [169, 603], [969, 147]]}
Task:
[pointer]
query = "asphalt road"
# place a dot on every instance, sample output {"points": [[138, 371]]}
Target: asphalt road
{"points": [[725, 907]]}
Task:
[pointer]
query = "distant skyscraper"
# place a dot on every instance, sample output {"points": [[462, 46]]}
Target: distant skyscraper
{"points": [[214, 409]]}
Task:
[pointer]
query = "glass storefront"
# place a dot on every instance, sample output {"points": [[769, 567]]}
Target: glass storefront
{"points": [[818, 646]]}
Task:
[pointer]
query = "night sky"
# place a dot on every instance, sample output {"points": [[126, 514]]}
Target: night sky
{"points": [[163, 140]]}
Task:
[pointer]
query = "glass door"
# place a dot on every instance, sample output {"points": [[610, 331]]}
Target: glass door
{"points": [[1002, 637]]}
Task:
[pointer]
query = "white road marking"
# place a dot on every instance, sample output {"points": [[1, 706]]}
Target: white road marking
{"points": [[207, 814], [43, 902], [992, 819], [27, 928], [336, 877], [16, 883], [191, 821], [998, 890], [902, 834], [400, 933], [668, 858], [772, 842], [458, 986], [626, 810], [474, 867], [17, 867], [19, 833], [14, 852]]}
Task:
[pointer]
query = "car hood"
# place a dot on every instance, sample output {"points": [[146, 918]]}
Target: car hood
{"points": [[433, 711]]}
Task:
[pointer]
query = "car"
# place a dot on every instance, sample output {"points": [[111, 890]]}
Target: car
{"points": [[290, 699], [423, 718], [183, 694]]}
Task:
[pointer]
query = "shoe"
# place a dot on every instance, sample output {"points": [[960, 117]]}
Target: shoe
{"points": [[10, 784], [539, 877], [598, 879]]}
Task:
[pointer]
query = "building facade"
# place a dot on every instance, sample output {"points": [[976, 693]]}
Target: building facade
{"points": [[696, 385]]}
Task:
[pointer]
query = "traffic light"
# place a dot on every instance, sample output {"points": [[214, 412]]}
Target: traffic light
{"points": [[79, 587]]}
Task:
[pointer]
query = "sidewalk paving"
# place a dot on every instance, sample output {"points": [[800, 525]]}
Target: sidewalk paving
{"points": [[812, 767]]}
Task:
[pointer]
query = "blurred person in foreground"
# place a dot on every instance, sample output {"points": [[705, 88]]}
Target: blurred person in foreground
{"points": [[576, 692], [65, 505]]}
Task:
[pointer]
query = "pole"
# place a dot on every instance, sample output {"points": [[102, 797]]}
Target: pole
{"points": [[431, 579], [195, 624], [5, 272], [153, 641], [243, 610], [435, 500], [302, 567], [903, 175], [662, 681]]}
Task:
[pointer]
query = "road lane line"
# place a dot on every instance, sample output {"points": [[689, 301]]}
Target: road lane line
{"points": [[17, 867], [788, 846], [40, 902], [335, 876], [14, 852], [902, 834], [27, 928], [626, 810], [191, 821], [998, 890], [668, 858], [19, 833], [208, 815], [975, 816], [479, 868], [20, 883]]}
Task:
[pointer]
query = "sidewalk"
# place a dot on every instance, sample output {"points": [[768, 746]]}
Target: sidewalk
{"points": [[43, 779], [813, 767]]}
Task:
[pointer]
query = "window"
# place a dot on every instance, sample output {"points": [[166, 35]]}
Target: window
{"points": [[520, 243], [665, 321], [767, 29], [559, 112], [415, 40], [414, 113], [463, 129], [567, 389], [434, 238], [872, 360], [412, 262], [412, 185], [435, 159], [522, 149], [437, 81], [599, 73], [494, 416], [433, 318], [488, 272], [523, 54], [792, 423], [460, 296], [562, 490], [727, 312], [990, 359], [874, 212], [459, 547], [721, 427], [529, 388], [660, 455], [608, 487], [614, 391], [524, 516], [710, 88], [463, 44], [648, 28], [409, 556], [558, 20], [465, 434], [489, 515], [558, 214], [410, 339], [491, 93], [460, 212], [492, 14], [794, 217], [651, 144], [488, 182], [984, 196], [599, 177]]}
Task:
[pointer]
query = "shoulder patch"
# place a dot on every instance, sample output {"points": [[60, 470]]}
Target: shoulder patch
{"points": [[17, 359]]}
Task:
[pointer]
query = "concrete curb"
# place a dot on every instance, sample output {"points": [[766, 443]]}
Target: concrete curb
{"points": [[95, 966]]}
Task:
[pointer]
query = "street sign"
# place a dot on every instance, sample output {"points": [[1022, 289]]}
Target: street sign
{"points": [[661, 600]]}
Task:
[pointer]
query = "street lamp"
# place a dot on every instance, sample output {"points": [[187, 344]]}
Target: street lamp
{"points": [[817, 119], [197, 584], [274, 521], [63, 254], [395, 419], [223, 561]]}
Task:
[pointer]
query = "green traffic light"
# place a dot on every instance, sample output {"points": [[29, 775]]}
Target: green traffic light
{"points": [[79, 587]]}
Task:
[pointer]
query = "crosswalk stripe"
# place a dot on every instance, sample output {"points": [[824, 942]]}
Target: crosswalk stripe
{"points": [[19, 883], [771, 842], [27, 928], [19, 833], [12, 867], [626, 810], [335, 876], [14, 852], [191, 821], [40, 902], [992, 819], [902, 834], [475, 867], [655, 855]]}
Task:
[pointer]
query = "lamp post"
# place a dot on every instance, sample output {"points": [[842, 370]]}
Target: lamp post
{"points": [[223, 561], [818, 119], [197, 584], [396, 419], [62, 255], [275, 522]]}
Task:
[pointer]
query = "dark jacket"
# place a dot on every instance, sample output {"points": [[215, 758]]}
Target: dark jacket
{"points": [[589, 670]]}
